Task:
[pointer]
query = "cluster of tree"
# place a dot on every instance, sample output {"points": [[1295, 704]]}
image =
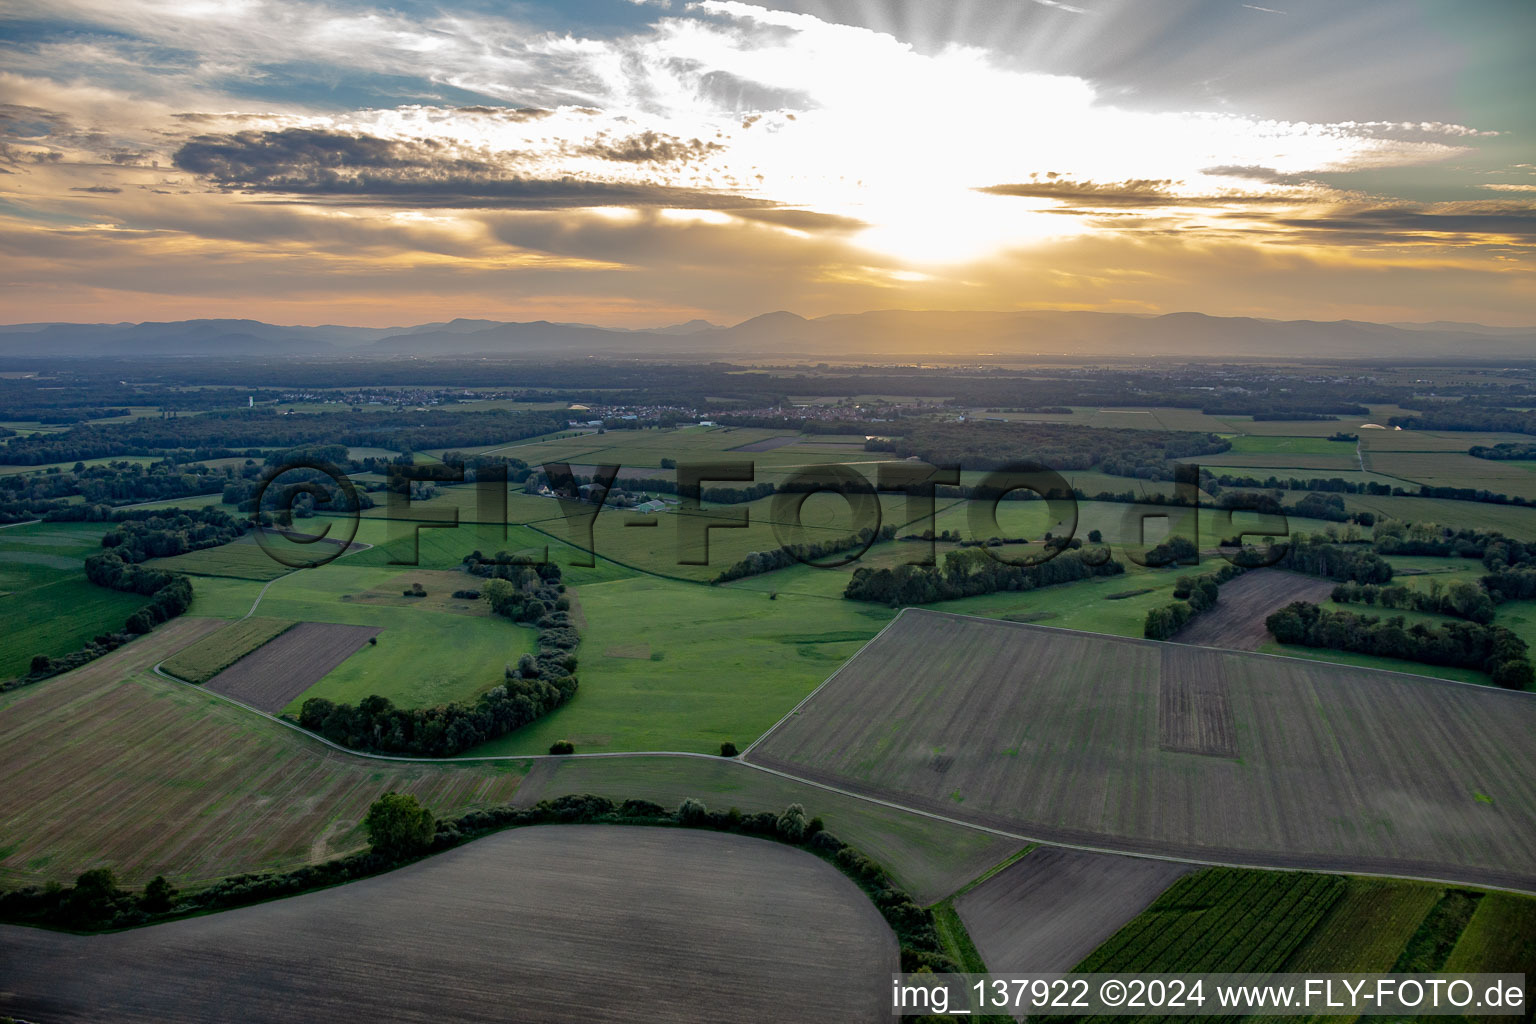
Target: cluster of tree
{"points": [[971, 572], [249, 428], [1468, 415], [537, 685], [1192, 595], [1507, 451], [1491, 649], [167, 532], [758, 562], [516, 469], [113, 483], [631, 490], [1461, 599], [94, 902], [1344, 436], [400, 829], [170, 593], [1315, 505], [1148, 454], [1317, 555], [1395, 537]]}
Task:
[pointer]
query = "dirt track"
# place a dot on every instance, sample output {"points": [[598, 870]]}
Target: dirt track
{"points": [[555, 923]]}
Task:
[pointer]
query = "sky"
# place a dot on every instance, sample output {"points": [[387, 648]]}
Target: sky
{"points": [[644, 162]]}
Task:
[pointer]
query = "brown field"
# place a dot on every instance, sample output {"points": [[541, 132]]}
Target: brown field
{"points": [[1237, 621], [557, 923], [1048, 911], [1055, 735], [281, 669], [109, 764], [1194, 710]]}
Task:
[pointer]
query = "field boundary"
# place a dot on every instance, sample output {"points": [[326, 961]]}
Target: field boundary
{"points": [[1257, 862], [1483, 687], [822, 685]]}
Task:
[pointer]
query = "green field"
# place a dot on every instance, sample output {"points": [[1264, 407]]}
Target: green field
{"points": [[1222, 920], [930, 858], [57, 618], [1367, 928], [424, 659], [45, 602], [213, 654], [677, 666]]}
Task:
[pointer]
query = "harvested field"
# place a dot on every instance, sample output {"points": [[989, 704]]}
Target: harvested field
{"points": [[1054, 735], [1048, 911], [678, 925], [112, 765], [1194, 713], [239, 559], [213, 654], [278, 671], [1237, 621]]}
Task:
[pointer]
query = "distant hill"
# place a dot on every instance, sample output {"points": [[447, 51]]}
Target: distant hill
{"points": [[782, 336]]}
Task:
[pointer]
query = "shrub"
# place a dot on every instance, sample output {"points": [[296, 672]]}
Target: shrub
{"points": [[728, 749], [562, 747]]}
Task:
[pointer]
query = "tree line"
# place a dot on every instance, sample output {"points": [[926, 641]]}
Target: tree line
{"points": [[1507, 451], [401, 830], [973, 571], [758, 562], [1491, 649], [1461, 599]]}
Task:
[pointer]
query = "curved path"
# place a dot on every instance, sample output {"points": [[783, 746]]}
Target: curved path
{"points": [[550, 923], [1023, 832]]}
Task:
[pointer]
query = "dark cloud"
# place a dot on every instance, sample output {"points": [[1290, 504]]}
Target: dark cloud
{"points": [[357, 168], [647, 148], [20, 122], [804, 220], [126, 157], [106, 189], [1137, 192], [1147, 193], [1420, 224]]}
